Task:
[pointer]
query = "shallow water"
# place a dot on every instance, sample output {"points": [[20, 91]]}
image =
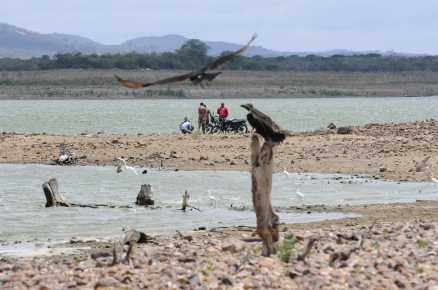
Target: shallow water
{"points": [[163, 116], [24, 217]]}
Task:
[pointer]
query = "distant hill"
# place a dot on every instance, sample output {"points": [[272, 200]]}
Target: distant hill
{"points": [[18, 42], [21, 43]]}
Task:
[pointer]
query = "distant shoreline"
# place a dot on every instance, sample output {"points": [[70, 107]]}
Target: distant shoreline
{"points": [[101, 85], [197, 98]]}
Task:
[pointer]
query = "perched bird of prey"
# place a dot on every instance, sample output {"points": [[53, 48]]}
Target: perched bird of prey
{"points": [[121, 165], [197, 76], [264, 125]]}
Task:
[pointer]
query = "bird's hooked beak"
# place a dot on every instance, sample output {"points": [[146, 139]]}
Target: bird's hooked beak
{"points": [[247, 106]]}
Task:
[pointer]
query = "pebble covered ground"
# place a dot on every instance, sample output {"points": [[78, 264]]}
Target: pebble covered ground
{"points": [[400, 255]]}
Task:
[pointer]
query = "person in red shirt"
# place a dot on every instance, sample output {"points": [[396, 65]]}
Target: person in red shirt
{"points": [[223, 113]]}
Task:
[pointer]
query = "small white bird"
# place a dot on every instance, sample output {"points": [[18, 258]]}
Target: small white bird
{"points": [[299, 194], [121, 165], [285, 172], [212, 198]]}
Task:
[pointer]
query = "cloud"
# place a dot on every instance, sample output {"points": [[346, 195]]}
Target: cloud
{"points": [[295, 25]]}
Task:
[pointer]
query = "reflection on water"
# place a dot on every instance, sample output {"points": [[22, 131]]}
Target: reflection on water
{"points": [[163, 116], [23, 215]]}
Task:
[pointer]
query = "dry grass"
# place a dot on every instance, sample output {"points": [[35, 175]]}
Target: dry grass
{"points": [[232, 84]]}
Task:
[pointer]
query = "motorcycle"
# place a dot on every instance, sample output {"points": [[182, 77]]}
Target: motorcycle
{"points": [[228, 126]]}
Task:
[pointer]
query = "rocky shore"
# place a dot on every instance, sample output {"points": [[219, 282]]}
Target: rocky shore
{"points": [[360, 253]]}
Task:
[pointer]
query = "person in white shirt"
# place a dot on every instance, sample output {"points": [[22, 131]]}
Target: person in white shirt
{"points": [[186, 127]]}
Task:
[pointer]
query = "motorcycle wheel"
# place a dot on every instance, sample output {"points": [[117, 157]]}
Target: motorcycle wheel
{"points": [[242, 129], [209, 129], [215, 129]]}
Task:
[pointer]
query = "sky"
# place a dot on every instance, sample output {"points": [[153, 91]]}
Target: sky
{"points": [[288, 25]]}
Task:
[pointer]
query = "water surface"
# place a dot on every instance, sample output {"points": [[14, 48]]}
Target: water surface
{"points": [[217, 193], [163, 116]]}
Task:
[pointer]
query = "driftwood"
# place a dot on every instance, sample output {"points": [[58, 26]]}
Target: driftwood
{"points": [[51, 192], [134, 237], [261, 175], [54, 198], [309, 246], [144, 196], [66, 157]]}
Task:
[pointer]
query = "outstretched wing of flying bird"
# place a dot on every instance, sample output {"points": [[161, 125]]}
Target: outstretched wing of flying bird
{"points": [[138, 85], [130, 84], [227, 57], [201, 73]]}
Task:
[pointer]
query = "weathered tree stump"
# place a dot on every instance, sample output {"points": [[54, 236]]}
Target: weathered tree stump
{"points": [[185, 201], [51, 192], [144, 196], [261, 175]]}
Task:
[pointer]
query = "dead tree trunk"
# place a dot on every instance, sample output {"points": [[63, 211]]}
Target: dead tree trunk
{"points": [[144, 196], [53, 197], [261, 176]]}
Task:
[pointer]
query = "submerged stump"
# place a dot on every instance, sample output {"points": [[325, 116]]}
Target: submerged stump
{"points": [[144, 196], [51, 192], [185, 201], [261, 177]]}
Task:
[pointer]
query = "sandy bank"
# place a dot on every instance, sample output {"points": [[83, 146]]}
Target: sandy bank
{"points": [[390, 151]]}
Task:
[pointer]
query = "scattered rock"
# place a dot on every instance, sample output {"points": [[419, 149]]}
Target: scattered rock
{"points": [[331, 126], [233, 245], [344, 130], [106, 283], [133, 236]]}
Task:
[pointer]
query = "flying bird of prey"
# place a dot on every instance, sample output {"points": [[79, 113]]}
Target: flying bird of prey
{"points": [[196, 77], [264, 125]]}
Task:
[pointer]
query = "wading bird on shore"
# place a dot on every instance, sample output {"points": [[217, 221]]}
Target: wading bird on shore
{"points": [[264, 125], [121, 165], [196, 77]]}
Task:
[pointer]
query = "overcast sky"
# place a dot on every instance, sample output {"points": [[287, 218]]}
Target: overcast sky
{"points": [[288, 25]]}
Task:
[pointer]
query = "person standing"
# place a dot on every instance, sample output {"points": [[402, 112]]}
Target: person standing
{"points": [[223, 113], [203, 114]]}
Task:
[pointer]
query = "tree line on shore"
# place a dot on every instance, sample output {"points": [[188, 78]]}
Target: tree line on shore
{"points": [[193, 54]]}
